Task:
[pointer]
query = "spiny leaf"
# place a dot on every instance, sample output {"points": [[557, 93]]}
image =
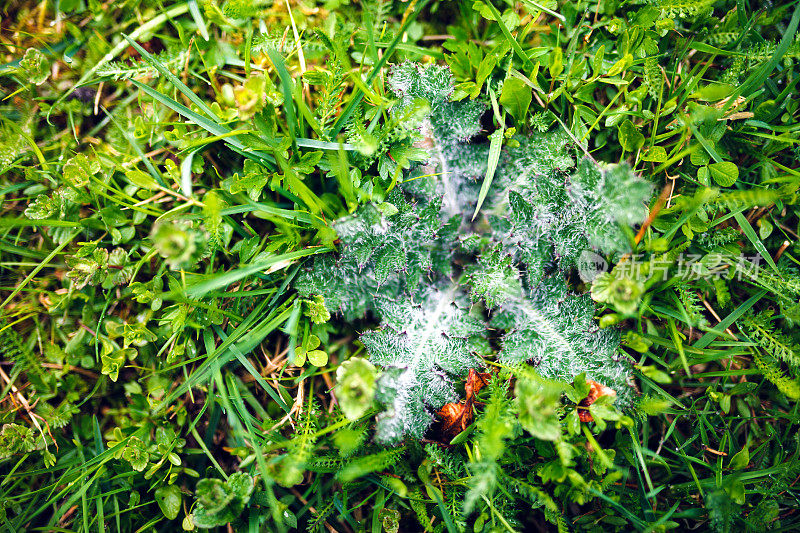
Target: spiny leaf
{"points": [[424, 347]]}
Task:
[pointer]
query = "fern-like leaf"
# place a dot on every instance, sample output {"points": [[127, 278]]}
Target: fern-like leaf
{"points": [[760, 329], [380, 255], [683, 8]]}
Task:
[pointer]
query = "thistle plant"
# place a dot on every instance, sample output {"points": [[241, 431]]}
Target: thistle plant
{"points": [[448, 289]]}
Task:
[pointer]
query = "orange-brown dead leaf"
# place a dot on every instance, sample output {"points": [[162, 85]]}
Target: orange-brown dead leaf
{"points": [[475, 382], [455, 417], [596, 390]]}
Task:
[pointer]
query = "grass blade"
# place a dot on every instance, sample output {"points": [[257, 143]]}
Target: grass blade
{"points": [[357, 94], [754, 240], [224, 279], [496, 142]]}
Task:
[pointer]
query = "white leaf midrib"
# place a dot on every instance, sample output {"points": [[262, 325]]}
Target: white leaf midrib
{"points": [[446, 299]]}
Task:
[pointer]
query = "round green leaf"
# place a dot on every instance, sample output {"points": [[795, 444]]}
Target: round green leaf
{"points": [[657, 154], [699, 157], [765, 228], [629, 137], [724, 173], [355, 387], [169, 500], [317, 357]]}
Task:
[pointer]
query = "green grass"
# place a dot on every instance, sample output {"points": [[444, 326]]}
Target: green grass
{"points": [[168, 172]]}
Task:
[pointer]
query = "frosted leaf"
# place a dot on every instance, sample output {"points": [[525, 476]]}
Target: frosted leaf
{"points": [[443, 134], [564, 215], [544, 209], [347, 289], [426, 346], [457, 120], [433, 84], [556, 331], [380, 256], [537, 155], [412, 81], [494, 278]]}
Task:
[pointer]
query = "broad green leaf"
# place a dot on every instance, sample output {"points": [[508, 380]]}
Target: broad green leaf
{"points": [[597, 61], [169, 500], [714, 92], [538, 405], [484, 69], [629, 136], [765, 228], [556, 62], [516, 98], [656, 154], [725, 173], [622, 64], [141, 179]]}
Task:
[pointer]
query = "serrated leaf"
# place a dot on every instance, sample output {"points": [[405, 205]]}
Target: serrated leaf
{"points": [[391, 258], [34, 67], [112, 363], [252, 181], [42, 207], [551, 216], [556, 331], [78, 170], [424, 347], [541, 210], [494, 279], [380, 254], [220, 502], [538, 405], [212, 217]]}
